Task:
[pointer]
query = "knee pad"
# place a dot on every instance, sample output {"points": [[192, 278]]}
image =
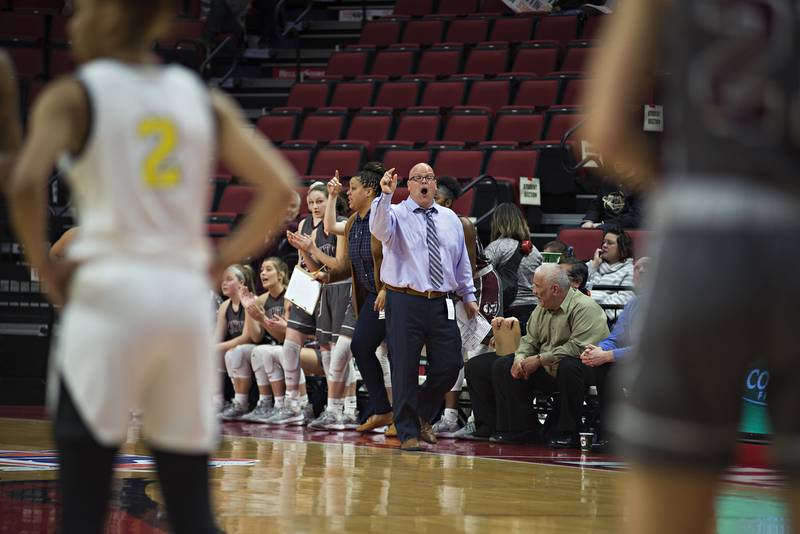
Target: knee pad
{"points": [[236, 362], [382, 352], [269, 357], [290, 361], [326, 361], [341, 360]]}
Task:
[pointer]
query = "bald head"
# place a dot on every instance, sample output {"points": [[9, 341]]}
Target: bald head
{"points": [[422, 185]]}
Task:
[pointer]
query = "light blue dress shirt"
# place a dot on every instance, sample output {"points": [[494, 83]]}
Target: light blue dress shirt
{"points": [[405, 253]]}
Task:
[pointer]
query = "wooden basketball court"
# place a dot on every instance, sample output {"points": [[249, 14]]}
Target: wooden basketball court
{"points": [[269, 479]]}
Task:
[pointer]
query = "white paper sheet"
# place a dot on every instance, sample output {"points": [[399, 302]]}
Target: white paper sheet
{"points": [[303, 290], [472, 330]]}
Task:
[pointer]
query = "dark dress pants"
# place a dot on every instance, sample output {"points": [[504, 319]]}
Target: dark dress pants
{"points": [[369, 333], [414, 322]]}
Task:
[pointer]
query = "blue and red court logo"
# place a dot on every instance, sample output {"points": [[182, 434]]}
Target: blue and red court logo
{"points": [[48, 461]]}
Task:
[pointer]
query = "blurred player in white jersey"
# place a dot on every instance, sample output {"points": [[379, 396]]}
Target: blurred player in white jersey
{"points": [[138, 141]]}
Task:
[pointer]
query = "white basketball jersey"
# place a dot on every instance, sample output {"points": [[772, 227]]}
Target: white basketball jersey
{"points": [[141, 182]]}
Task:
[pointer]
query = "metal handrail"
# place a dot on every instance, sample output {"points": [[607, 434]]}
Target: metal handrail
{"points": [[565, 153], [474, 183]]}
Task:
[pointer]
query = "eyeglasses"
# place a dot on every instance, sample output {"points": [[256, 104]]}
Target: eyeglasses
{"points": [[423, 179]]}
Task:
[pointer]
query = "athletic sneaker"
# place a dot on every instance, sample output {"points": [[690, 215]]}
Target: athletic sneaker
{"points": [[322, 422], [308, 415], [445, 429], [221, 408], [260, 413], [469, 432], [286, 416], [343, 422], [234, 412]]}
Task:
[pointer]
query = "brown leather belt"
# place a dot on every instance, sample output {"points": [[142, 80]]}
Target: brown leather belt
{"points": [[409, 291]]}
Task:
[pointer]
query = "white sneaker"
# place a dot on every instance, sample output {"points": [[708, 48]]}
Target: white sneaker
{"points": [[233, 412], [444, 428], [322, 422], [468, 432], [260, 413], [286, 416], [344, 422]]}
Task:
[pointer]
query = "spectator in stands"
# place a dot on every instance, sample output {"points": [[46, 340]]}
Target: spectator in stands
{"points": [[515, 259], [614, 206], [265, 320], [502, 384], [425, 259], [578, 273], [612, 265], [558, 247], [362, 265]]}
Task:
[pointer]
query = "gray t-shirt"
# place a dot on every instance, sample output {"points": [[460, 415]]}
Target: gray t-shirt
{"points": [[500, 251]]}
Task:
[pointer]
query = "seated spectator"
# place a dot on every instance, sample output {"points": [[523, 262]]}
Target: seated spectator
{"points": [[612, 265], [613, 207], [502, 384], [558, 247], [515, 259], [616, 347], [578, 273]]}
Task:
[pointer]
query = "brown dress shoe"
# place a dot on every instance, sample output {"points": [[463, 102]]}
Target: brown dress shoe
{"points": [[375, 421], [426, 432], [411, 445], [391, 431]]}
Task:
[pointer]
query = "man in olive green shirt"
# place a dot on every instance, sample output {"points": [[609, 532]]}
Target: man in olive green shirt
{"points": [[547, 358]]}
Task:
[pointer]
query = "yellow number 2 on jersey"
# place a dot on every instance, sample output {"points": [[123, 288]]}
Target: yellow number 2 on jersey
{"points": [[157, 172]]}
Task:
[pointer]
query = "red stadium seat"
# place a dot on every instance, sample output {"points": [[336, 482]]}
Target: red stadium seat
{"points": [[459, 163], [468, 31], [414, 8], [457, 7], [357, 94], [371, 125], [16, 28], [512, 163], [39, 7], [308, 95], [345, 158], [403, 159], [443, 94], [574, 91], [280, 124], [380, 32], [539, 93], [61, 62], [58, 31], [640, 240], [441, 60], [394, 62], [493, 94], [561, 119], [400, 194], [536, 57], [299, 156], [576, 57], [423, 32], [592, 25], [28, 62], [324, 124], [496, 7], [347, 63], [521, 124], [487, 59], [464, 204], [398, 95], [515, 29], [468, 124], [561, 28], [583, 241], [418, 125], [236, 199]]}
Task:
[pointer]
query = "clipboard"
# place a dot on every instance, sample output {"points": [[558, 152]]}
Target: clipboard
{"points": [[303, 290]]}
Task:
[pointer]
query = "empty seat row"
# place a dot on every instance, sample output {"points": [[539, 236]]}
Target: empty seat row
{"points": [[445, 59], [419, 125], [29, 62], [450, 7], [561, 28], [518, 90]]}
